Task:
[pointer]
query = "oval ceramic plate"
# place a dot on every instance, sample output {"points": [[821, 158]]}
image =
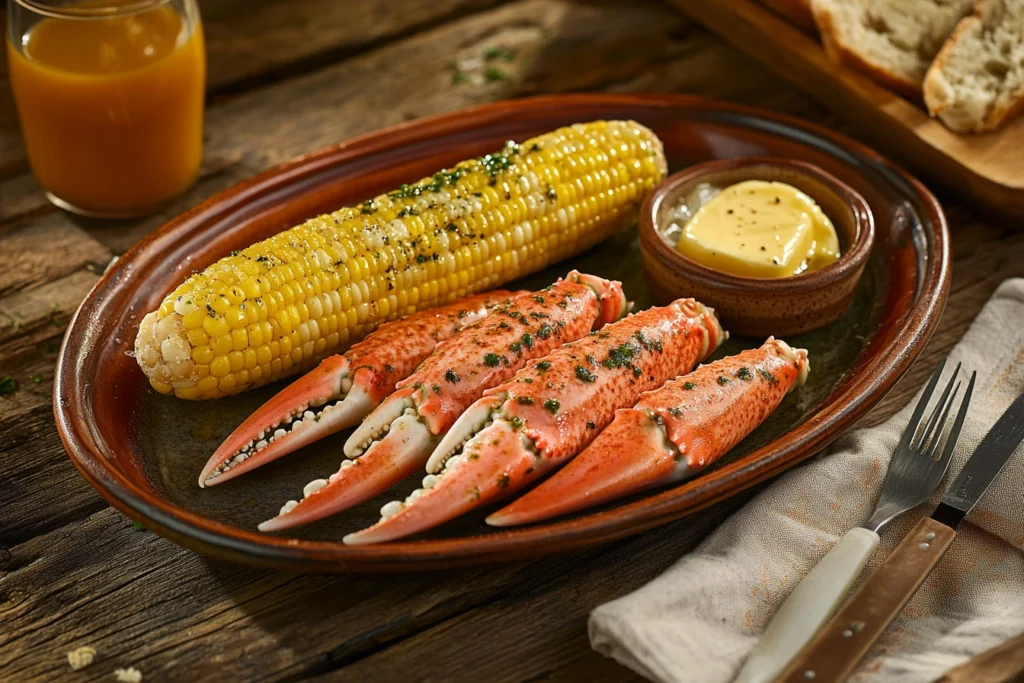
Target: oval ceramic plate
{"points": [[142, 451]]}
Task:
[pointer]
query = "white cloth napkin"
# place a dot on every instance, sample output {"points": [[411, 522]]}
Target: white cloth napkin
{"points": [[699, 620]]}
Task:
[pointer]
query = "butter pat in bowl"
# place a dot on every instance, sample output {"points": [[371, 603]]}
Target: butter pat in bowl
{"points": [[776, 246]]}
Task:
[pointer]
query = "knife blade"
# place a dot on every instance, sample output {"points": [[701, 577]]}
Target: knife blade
{"points": [[983, 467], [843, 642]]}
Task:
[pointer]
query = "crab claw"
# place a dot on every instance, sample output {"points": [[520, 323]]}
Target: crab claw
{"points": [[323, 401], [670, 434], [384, 464], [608, 471], [496, 461]]}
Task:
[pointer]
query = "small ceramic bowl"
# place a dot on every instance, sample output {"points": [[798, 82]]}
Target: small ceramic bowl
{"points": [[754, 306]]}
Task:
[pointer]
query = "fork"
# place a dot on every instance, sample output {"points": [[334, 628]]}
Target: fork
{"points": [[916, 468]]}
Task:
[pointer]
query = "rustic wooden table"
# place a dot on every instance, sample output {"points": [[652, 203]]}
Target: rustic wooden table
{"points": [[288, 77]]}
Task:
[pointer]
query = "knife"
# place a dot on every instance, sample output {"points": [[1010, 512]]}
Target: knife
{"points": [[843, 642]]}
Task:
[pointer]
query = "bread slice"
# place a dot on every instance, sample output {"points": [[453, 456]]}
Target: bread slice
{"points": [[797, 12], [893, 41], [976, 82]]}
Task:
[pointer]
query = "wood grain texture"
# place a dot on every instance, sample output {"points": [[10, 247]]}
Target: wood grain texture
{"points": [[988, 169], [74, 572]]}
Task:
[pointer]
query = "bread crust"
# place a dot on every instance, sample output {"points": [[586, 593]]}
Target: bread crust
{"points": [[939, 95], [832, 41]]}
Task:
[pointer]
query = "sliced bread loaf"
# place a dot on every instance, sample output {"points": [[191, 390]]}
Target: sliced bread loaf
{"points": [[976, 82], [893, 41]]}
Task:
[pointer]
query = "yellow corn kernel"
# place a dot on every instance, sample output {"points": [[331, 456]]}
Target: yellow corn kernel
{"points": [[222, 345], [197, 337], [203, 355], [236, 318], [194, 319], [207, 384], [239, 339], [220, 366], [215, 325]]}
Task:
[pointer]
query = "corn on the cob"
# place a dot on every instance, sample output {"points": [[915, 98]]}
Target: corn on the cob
{"points": [[281, 305]]}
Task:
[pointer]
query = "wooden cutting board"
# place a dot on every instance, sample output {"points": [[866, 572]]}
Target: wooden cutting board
{"points": [[987, 169]]}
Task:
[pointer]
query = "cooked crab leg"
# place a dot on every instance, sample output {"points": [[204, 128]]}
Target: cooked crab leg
{"points": [[670, 434], [344, 388], [532, 424], [396, 438]]}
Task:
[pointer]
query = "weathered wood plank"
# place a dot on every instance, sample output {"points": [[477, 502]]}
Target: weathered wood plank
{"points": [[43, 251], [248, 40], [41, 489]]}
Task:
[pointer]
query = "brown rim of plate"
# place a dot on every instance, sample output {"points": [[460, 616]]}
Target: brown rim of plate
{"points": [[846, 265], [77, 424]]}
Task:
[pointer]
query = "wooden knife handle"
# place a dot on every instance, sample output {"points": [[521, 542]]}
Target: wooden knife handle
{"points": [[837, 648]]}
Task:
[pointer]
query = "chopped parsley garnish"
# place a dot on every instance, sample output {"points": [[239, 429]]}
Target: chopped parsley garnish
{"points": [[552, 406], [543, 365], [515, 347], [437, 389], [744, 373], [450, 376], [8, 385], [493, 73], [648, 343], [524, 400], [620, 357], [539, 299], [516, 422], [769, 377], [584, 374], [723, 380], [503, 481], [675, 411], [528, 340], [499, 53], [591, 425], [689, 386], [493, 164], [491, 360]]}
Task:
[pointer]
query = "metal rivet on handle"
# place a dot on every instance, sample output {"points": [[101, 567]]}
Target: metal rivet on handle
{"points": [[930, 537], [809, 674], [924, 546], [847, 633], [857, 625]]}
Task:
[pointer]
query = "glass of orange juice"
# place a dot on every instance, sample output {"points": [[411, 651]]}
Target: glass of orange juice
{"points": [[109, 94]]}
